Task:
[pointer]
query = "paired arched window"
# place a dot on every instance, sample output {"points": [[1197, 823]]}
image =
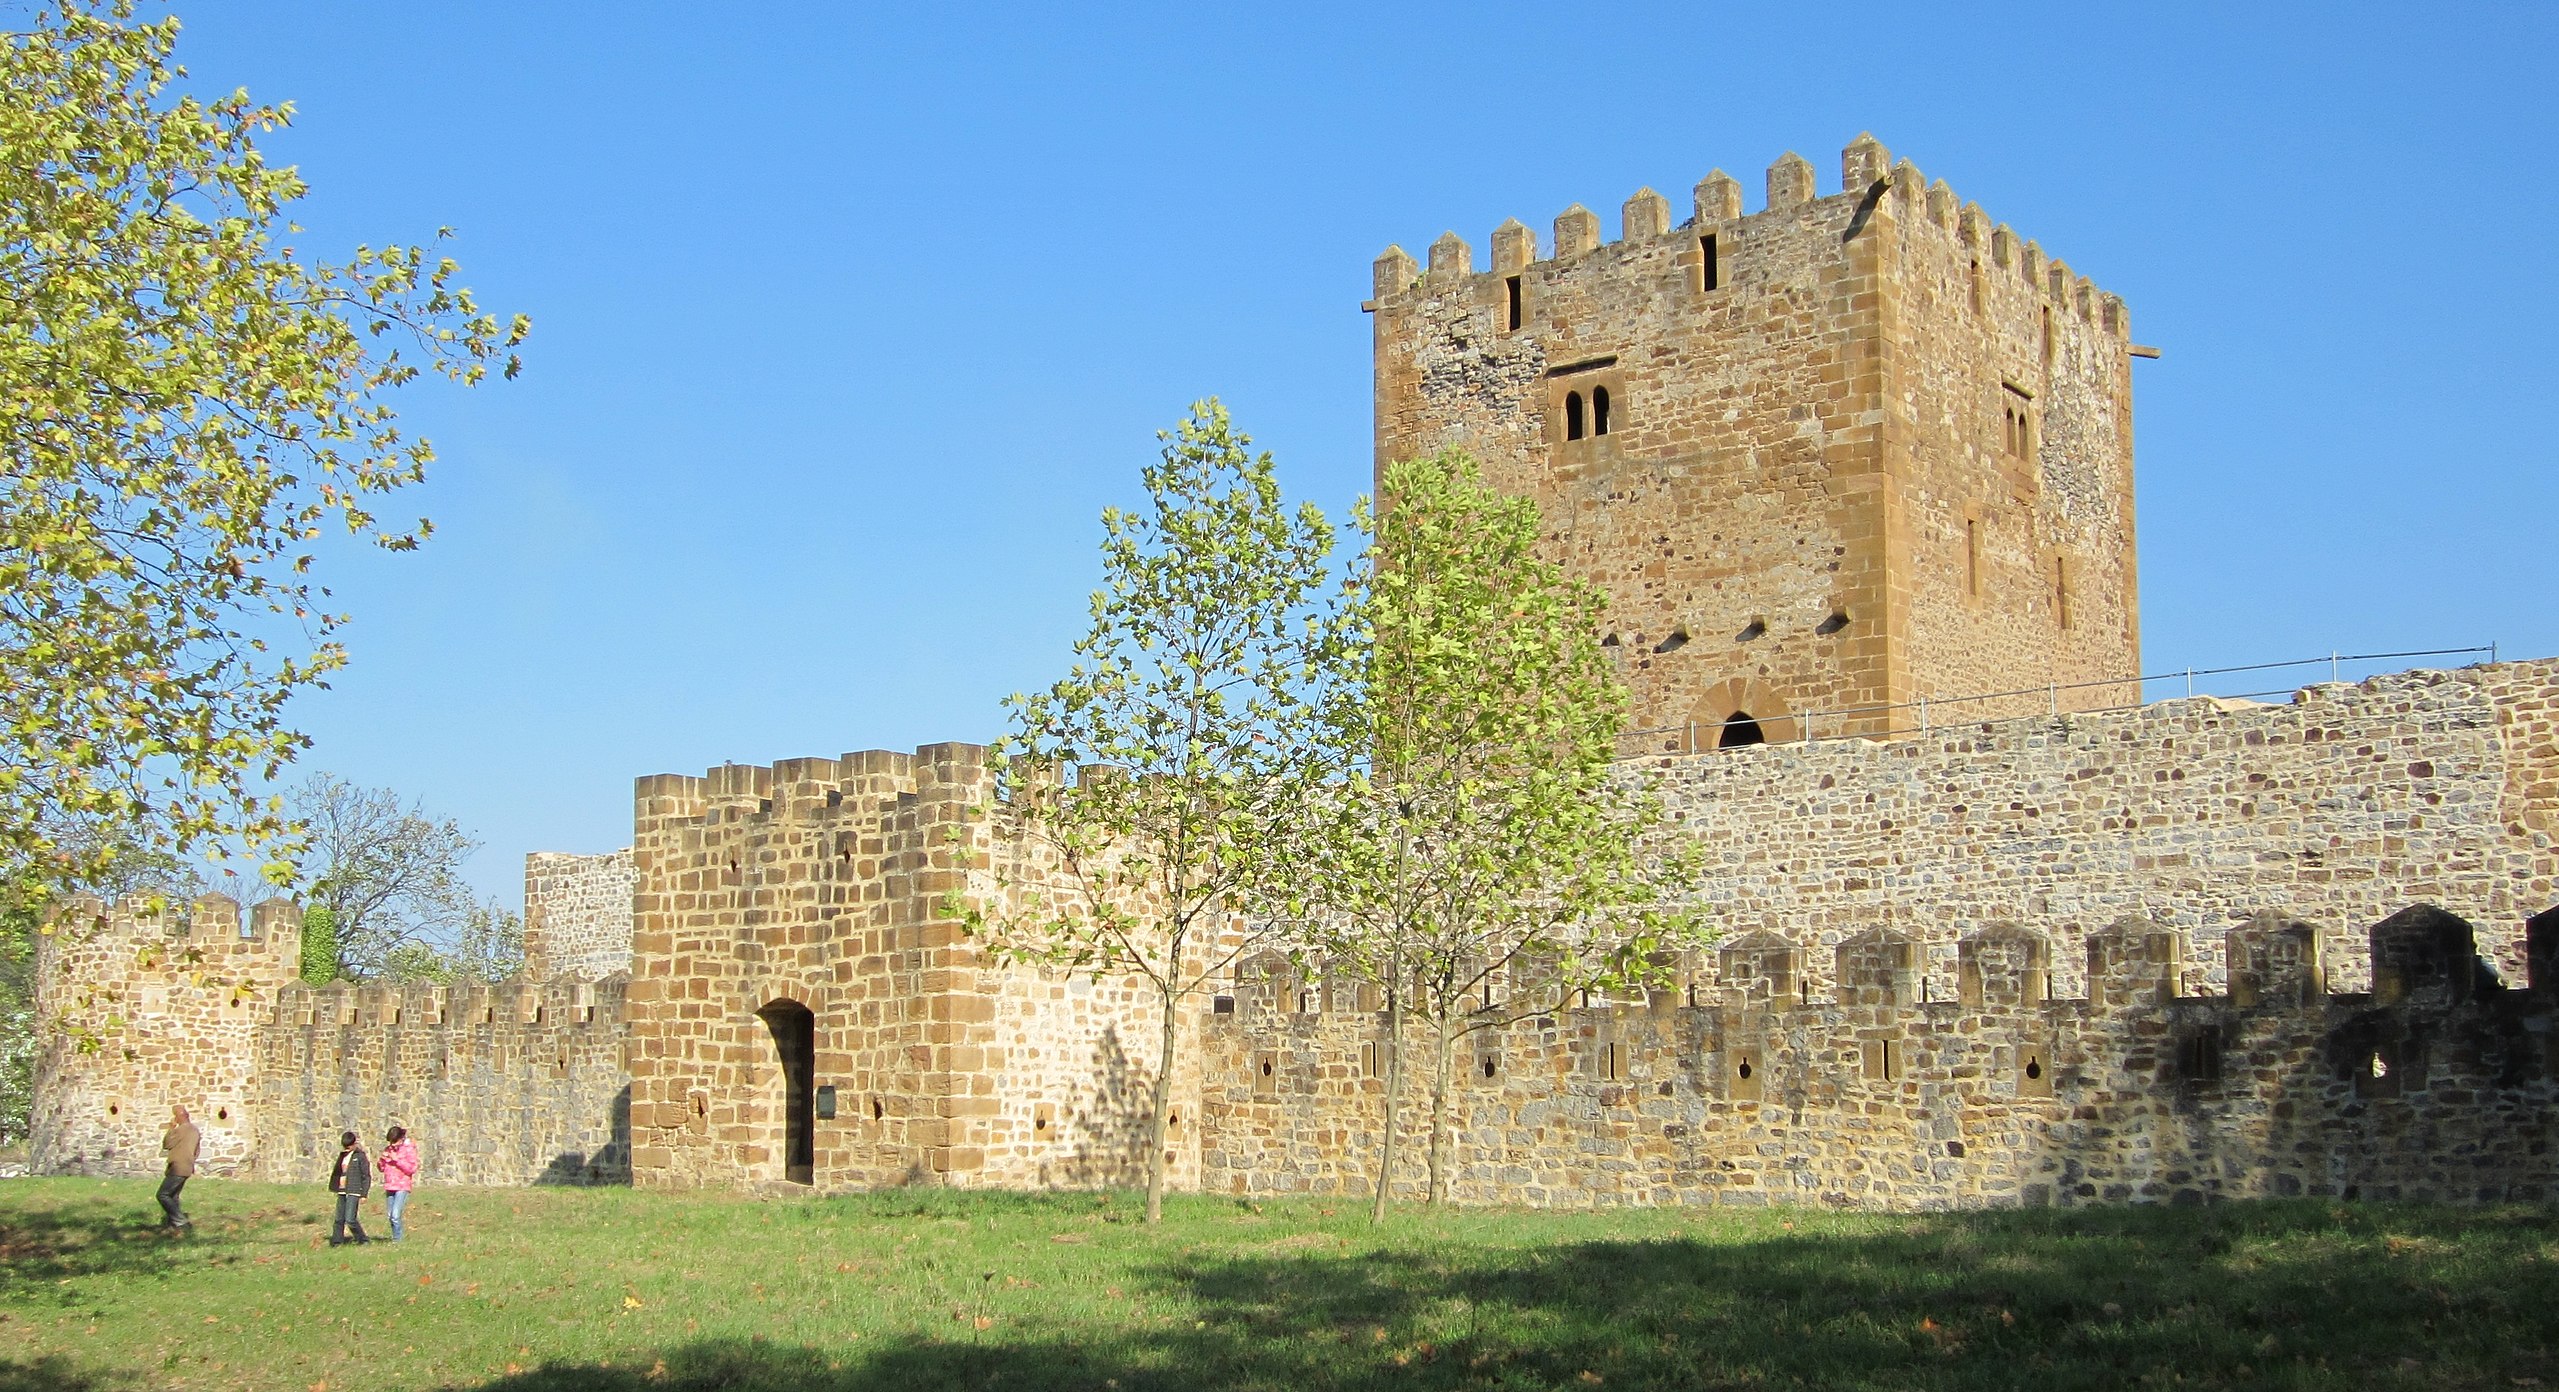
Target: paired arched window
{"points": [[1579, 422], [2017, 422]]}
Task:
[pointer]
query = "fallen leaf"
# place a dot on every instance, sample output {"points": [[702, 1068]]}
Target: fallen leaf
{"points": [[631, 1302], [984, 1322]]}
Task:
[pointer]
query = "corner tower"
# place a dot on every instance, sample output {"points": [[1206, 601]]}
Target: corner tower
{"points": [[1829, 459]]}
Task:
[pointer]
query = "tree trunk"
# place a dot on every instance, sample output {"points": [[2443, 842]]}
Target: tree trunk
{"points": [[1156, 1127], [1442, 1046], [1394, 1098]]}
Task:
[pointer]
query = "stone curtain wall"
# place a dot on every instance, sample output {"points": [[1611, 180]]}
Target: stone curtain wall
{"points": [[2339, 807], [2527, 700], [508, 1084], [828, 882], [499, 1084], [2437, 1087], [577, 915], [175, 1001], [2092, 958]]}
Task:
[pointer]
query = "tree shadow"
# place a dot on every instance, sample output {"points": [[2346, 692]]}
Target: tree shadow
{"points": [[54, 1374], [42, 1248], [1113, 1123], [2293, 1294]]}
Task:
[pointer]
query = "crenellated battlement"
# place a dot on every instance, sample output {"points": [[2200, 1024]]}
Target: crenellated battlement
{"points": [[211, 924], [1870, 180], [2426, 958], [1752, 1082], [950, 775], [550, 1003]]}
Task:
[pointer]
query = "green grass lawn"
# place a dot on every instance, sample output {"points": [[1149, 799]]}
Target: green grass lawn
{"points": [[556, 1290]]}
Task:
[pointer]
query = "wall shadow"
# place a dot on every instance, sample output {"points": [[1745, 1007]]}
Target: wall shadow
{"points": [[2302, 1293]]}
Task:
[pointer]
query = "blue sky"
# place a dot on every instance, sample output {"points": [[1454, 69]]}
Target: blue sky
{"points": [[850, 319]]}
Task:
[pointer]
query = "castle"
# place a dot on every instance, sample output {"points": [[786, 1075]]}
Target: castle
{"points": [[1855, 471]]}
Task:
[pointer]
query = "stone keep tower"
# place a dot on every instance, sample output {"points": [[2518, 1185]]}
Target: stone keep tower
{"points": [[1829, 459]]}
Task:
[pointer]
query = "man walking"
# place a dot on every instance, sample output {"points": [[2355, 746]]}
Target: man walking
{"points": [[180, 1145], [351, 1179]]}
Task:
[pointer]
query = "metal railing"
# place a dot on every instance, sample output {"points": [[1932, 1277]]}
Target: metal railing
{"points": [[1932, 710]]}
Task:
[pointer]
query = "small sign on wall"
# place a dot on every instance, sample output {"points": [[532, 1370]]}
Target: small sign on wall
{"points": [[826, 1102]]}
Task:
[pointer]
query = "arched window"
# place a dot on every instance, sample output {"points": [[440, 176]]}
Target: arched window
{"points": [[1599, 410], [1572, 415], [1740, 729]]}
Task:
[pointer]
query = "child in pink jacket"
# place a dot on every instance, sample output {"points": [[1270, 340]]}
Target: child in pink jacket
{"points": [[399, 1162]]}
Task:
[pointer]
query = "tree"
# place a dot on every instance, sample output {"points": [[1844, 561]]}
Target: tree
{"points": [[186, 402], [319, 945], [489, 947], [1482, 836], [386, 878], [1194, 693]]}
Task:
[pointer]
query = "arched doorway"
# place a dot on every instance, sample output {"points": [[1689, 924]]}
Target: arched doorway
{"points": [[1739, 729], [795, 1048]]}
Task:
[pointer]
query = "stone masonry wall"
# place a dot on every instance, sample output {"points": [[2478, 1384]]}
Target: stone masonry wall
{"points": [[172, 1002], [2339, 807], [1915, 1043], [505, 1084], [827, 884], [499, 1084], [2009, 439], [2091, 957], [577, 915], [1739, 1090]]}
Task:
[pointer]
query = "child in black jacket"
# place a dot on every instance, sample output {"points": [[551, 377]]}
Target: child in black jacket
{"points": [[351, 1179]]}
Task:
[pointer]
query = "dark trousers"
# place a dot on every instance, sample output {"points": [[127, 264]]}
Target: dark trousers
{"points": [[172, 1216], [350, 1224]]}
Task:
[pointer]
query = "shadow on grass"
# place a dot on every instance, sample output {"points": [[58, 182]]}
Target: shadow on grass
{"points": [[2256, 1295], [43, 1247], [57, 1375]]}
